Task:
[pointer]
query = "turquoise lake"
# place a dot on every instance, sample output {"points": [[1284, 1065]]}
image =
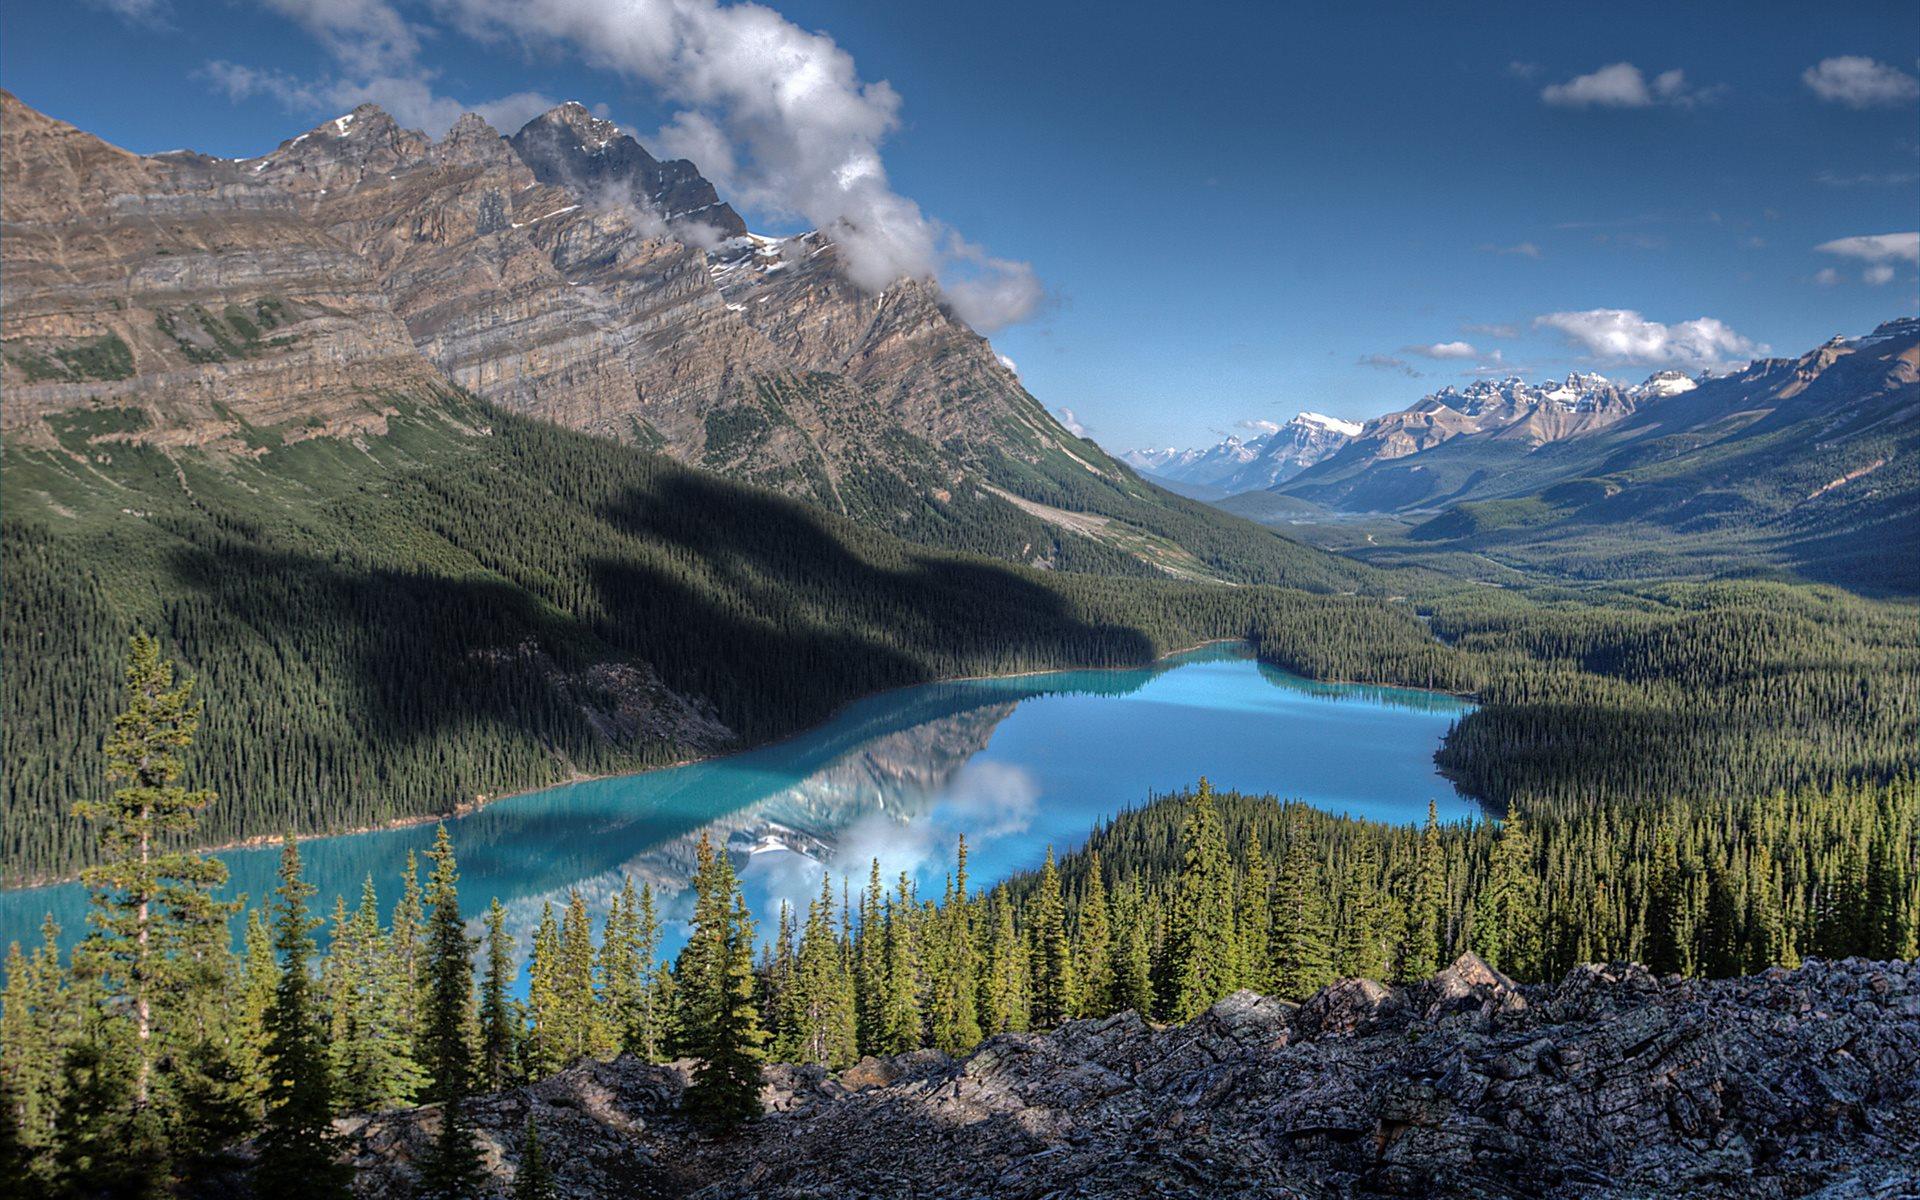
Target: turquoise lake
{"points": [[1015, 764]]}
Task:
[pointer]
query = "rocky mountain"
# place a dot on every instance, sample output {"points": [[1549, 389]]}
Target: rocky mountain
{"points": [[1610, 1084], [1811, 464], [570, 147], [1233, 465], [1508, 413], [188, 288], [564, 273]]}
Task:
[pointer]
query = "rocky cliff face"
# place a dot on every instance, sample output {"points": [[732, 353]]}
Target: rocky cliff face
{"points": [[187, 289], [1611, 1083], [566, 273]]}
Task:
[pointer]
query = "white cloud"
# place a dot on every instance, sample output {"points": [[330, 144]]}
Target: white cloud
{"points": [[1619, 335], [1860, 82], [1523, 249], [777, 116], [1006, 362], [1876, 247], [1622, 85], [803, 131], [1826, 277], [1443, 350], [1072, 422], [367, 37], [1877, 274], [1258, 426]]}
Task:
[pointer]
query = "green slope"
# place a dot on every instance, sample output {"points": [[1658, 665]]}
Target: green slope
{"points": [[475, 603]]}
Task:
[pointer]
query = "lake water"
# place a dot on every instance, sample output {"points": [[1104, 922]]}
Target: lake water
{"points": [[1015, 764]]}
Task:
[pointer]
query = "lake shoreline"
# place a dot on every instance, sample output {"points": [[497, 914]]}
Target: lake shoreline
{"points": [[468, 808]]}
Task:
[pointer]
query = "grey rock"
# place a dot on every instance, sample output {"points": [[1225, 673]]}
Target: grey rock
{"points": [[1610, 1083]]}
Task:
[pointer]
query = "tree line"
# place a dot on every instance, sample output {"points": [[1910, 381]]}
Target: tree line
{"points": [[136, 1067]]}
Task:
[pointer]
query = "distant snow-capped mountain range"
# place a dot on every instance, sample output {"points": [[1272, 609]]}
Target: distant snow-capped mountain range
{"points": [[1537, 412]]}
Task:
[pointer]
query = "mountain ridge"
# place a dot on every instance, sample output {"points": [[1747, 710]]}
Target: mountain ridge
{"points": [[469, 268]]}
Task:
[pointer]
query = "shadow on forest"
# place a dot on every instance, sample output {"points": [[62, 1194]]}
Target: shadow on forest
{"points": [[743, 598]]}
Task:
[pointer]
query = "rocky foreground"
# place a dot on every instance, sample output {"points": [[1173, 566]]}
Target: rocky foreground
{"points": [[1611, 1083]]}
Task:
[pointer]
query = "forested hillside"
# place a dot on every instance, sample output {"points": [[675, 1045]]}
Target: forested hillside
{"points": [[474, 603], [1597, 695]]}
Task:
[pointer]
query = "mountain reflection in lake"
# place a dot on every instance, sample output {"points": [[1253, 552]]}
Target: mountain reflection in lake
{"points": [[1015, 764]]}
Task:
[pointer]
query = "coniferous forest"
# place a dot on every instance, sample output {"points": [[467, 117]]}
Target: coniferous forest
{"points": [[439, 618], [139, 1063]]}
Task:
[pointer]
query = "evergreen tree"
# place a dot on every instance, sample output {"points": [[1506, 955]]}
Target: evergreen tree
{"points": [[1052, 974], [1093, 952], [1510, 926], [298, 1150], [1203, 956], [104, 1147], [374, 1053], [1418, 954], [1667, 935], [1891, 856], [1253, 920], [622, 978], [953, 1018], [404, 969], [900, 1026], [498, 1024], [1302, 929], [582, 1030], [822, 1006], [870, 964], [719, 1022], [452, 1168], [1133, 962], [549, 1037], [1364, 948], [38, 1021], [1003, 1004], [148, 901], [1720, 952], [648, 1037], [533, 1178], [1766, 941]]}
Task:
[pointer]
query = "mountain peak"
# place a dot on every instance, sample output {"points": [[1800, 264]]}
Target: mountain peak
{"points": [[589, 132], [569, 147]]}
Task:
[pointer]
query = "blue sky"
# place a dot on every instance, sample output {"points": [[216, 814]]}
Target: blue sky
{"points": [[1180, 218]]}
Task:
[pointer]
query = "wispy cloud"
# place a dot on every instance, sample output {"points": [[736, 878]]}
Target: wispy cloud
{"points": [[1860, 82], [1620, 335], [1523, 249], [1875, 247], [1491, 330], [1868, 179], [1072, 422], [143, 13], [1623, 85], [1387, 362]]}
